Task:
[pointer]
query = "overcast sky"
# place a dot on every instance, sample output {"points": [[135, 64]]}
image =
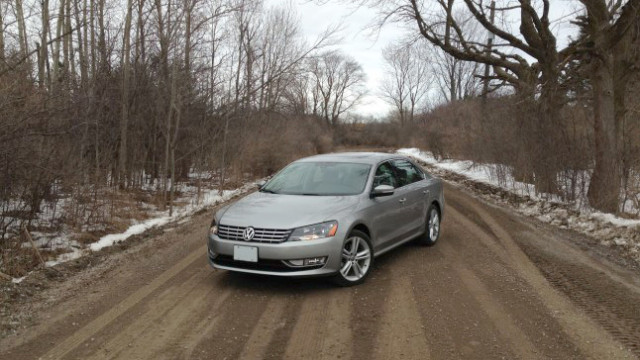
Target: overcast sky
{"points": [[365, 45], [359, 41]]}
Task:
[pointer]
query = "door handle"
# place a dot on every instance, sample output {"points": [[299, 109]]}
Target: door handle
{"points": [[402, 200], [426, 192]]}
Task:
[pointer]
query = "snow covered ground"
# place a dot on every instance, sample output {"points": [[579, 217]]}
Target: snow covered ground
{"points": [[62, 243], [608, 229]]}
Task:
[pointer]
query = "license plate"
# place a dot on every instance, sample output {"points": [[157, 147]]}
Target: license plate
{"points": [[245, 253]]}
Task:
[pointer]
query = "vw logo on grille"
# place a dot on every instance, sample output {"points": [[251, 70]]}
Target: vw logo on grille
{"points": [[249, 233]]}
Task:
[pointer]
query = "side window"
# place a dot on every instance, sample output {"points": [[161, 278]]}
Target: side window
{"points": [[406, 172], [385, 176]]}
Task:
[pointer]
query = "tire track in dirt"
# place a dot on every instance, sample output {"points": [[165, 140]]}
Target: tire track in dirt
{"points": [[281, 335], [584, 331], [597, 295], [513, 303], [271, 319], [322, 331], [235, 320], [168, 336], [455, 324], [155, 319], [502, 320], [92, 328], [367, 308], [400, 335]]}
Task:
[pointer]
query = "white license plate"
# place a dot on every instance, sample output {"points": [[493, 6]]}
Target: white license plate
{"points": [[245, 253]]}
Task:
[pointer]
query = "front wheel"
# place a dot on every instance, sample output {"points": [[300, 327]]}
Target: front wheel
{"points": [[357, 259], [432, 227]]}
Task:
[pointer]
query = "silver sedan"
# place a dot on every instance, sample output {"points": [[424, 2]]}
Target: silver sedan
{"points": [[328, 215]]}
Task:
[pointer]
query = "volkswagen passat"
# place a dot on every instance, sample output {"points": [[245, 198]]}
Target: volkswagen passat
{"points": [[328, 215]]}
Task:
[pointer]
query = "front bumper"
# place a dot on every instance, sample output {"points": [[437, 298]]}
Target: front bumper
{"points": [[271, 257]]}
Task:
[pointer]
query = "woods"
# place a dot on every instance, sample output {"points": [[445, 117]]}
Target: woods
{"points": [[531, 62], [105, 96]]}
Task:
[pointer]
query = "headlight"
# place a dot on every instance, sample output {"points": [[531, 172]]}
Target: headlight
{"points": [[312, 232], [213, 229]]}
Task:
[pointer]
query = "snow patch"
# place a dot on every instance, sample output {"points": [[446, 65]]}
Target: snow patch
{"points": [[180, 214]]}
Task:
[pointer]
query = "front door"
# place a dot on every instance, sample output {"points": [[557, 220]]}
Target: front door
{"points": [[388, 210]]}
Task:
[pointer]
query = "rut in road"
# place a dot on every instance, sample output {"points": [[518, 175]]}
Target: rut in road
{"points": [[475, 295]]}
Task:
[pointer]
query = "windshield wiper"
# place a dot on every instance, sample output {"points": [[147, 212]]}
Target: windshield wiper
{"points": [[310, 194], [268, 191]]}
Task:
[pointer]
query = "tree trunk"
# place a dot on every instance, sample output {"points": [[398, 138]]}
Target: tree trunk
{"points": [[604, 190], [56, 49], [141, 37], [92, 22], [174, 144], [81, 42], [44, 54], [546, 161], [70, 66], [2, 54], [103, 61], [168, 135], [223, 160], [22, 29], [124, 120]]}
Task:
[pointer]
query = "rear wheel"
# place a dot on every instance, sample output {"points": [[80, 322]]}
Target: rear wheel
{"points": [[432, 227], [357, 259]]}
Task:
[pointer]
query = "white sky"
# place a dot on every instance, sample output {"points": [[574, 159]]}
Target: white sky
{"points": [[365, 45]]}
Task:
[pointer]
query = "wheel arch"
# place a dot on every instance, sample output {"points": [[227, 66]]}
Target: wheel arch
{"points": [[438, 207], [360, 226]]}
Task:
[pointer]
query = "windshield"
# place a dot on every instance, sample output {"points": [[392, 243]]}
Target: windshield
{"points": [[320, 179]]}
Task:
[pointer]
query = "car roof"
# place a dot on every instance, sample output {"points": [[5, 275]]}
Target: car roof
{"points": [[371, 158]]}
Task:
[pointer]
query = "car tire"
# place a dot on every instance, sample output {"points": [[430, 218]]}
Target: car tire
{"points": [[348, 275], [432, 229]]}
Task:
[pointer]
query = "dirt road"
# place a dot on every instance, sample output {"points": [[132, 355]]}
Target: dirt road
{"points": [[496, 286]]}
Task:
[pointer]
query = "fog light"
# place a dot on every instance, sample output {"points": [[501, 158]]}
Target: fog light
{"points": [[212, 254], [315, 261]]}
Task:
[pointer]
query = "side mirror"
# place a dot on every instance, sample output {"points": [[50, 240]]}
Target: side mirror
{"points": [[261, 183], [382, 190]]}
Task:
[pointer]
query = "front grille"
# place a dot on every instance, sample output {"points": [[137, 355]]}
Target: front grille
{"points": [[273, 236]]}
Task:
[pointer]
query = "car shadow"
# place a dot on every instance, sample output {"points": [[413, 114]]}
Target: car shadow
{"points": [[273, 284]]}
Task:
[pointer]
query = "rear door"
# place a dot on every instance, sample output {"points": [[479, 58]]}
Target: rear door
{"points": [[415, 193]]}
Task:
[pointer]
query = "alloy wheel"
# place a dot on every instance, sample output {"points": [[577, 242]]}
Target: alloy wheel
{"points": [[356, 258], [434, 225]]}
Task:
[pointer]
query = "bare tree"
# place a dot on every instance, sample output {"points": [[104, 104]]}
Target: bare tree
{"points": [[407, 81], [124, 120], [22, 28], [43, 56], [604, 27], [82, 40], [339, 81], [456, 79], [2, 53], [535, 82], [280, 44]]}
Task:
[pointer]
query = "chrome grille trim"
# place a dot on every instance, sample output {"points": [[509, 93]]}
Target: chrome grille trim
{"points": [[230, 232]]}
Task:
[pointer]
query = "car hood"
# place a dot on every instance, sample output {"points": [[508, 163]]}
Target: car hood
{"points": [[275, 211]]}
